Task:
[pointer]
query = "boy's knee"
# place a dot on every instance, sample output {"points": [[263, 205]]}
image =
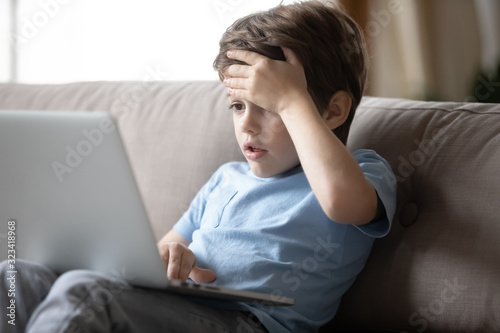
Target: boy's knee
{"points": [[88, 286], [89, 293], [78, 279]]}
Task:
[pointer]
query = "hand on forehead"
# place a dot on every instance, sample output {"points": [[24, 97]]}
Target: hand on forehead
{"points": [[263, 81]]}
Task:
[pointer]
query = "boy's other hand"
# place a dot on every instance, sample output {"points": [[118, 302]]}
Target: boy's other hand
{"points": [[180, 262], [273, 85]]}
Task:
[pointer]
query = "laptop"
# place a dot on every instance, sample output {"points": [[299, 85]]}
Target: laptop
{"points": [[70, 201]]}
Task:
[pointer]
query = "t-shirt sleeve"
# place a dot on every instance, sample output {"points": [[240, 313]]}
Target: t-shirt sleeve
{"points": [[379, 173], [191, 219]]}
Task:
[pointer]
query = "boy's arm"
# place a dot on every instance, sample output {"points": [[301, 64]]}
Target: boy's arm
{"points": [[334, 175]]}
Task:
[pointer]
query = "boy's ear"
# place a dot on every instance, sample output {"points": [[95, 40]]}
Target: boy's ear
{"points": [[338, 109]]}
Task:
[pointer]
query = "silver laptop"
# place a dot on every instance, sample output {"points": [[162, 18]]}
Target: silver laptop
{"points": [[70, 201]]}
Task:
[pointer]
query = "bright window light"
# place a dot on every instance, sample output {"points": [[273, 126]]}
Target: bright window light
{"points": [[90, 40], [5, 41]]}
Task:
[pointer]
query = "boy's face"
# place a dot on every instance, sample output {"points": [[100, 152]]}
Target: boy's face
{"points": [[263, 139]]}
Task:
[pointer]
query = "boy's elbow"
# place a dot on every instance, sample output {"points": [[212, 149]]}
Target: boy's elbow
{"points": [[355, 218], [356, 211]]}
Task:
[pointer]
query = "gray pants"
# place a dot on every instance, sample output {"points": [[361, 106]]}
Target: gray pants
{"points": [[84, 301]]}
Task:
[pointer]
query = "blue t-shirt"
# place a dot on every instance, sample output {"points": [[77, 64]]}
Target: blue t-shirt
{"points": [[271, 235]]}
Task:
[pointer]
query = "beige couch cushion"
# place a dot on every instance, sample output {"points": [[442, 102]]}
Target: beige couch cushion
{"points": [[438, 270]]}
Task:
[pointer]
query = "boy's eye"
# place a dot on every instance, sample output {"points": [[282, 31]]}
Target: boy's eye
{"points": [[236, 106]]}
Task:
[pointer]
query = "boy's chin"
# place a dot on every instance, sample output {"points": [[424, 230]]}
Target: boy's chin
{"points": [[261, 172]]}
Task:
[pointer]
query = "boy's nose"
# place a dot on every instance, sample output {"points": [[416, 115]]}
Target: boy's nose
{"points": [[249, 122]]}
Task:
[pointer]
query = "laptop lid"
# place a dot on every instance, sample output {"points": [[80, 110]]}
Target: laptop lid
{"points": [[66, 182]]}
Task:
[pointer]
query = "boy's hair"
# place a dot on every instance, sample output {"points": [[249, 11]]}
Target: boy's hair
{"points": [[328, 43]]}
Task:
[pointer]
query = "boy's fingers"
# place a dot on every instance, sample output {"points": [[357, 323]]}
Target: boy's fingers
{"points": [[186, 267], [181, 265], [173, 264], [238, 93], [242, 55], [234, 83], [165, 253], [179, 262], [201, 275], [236, 71]]}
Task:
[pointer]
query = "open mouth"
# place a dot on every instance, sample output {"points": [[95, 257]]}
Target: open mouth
{"points": [[254, 149], [253, 152]]}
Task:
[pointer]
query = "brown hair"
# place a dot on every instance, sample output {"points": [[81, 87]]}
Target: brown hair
{"points": [[328, 43]]}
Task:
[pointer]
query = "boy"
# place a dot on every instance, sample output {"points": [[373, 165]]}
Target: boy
{"points": [[297, 220]]}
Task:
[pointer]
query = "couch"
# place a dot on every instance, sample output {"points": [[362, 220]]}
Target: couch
{"points": [[439, 268]]}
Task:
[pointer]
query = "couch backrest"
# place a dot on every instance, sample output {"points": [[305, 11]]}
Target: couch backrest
{"points": [[436, 270]]}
